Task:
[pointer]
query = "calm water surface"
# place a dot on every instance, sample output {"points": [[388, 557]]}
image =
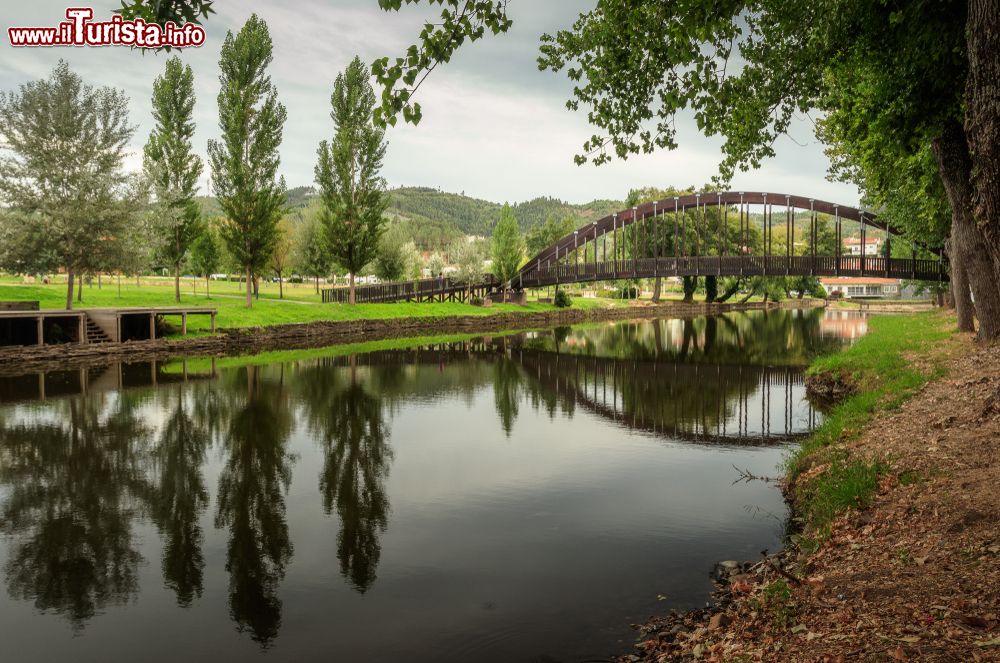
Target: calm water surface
{"points": [[519, 498]]}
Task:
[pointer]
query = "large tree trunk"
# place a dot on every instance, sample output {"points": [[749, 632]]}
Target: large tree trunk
{"points": [[960, 295], [657, 288], [954, 164], [350, 285], [982, 119], [69, 290], [249, 301], [177, 283]]}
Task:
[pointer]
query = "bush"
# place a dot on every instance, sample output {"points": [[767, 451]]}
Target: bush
{"points": [[295, 279], [476, 301], [836, 294], [562, 299]]}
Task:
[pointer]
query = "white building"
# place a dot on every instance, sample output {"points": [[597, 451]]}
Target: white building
{"points": [[873, 246], [862, 286]]}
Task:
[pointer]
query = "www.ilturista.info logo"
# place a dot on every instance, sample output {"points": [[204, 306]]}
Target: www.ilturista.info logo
{"points": [[79, 30]]}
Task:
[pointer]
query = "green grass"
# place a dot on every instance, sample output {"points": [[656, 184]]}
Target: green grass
{"points": [[269, 310], [882, 366]]}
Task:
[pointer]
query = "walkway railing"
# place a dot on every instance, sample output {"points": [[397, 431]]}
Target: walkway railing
{"points": [[749, 265], [435, 289]]}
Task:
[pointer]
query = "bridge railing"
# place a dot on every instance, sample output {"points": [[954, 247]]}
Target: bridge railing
{"points": [[749, 265], [403, 290]]}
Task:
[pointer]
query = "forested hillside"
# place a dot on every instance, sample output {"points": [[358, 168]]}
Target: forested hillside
{"points": [[434, 218]]}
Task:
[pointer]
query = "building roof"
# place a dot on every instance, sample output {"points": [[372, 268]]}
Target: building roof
{"points": [[857, 240], [858, 280]]}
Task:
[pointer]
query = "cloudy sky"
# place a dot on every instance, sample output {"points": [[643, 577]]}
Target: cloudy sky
{"points": [[494, 126]]}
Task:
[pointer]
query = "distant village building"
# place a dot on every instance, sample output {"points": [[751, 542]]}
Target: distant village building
{"points": [[873, 246], [869, 287]]}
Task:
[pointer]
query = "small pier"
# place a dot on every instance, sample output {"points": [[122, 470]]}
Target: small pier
{"points": [[25, 325]]}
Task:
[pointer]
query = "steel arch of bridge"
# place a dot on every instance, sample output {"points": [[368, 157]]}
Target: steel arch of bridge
{"points": [[550, 266]]}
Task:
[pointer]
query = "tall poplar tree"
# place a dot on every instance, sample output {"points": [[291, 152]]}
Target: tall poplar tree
{"points": [[507, 247], [173, 166], [67, 200], [351, 189], [245, 162]]}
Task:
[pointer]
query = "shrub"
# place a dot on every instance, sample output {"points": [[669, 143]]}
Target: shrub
{"points": [[562, 299], [476, 301]]}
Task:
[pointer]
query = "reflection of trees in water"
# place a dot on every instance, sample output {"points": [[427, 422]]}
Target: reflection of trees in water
{"points": [[180, 498], [351, 428], [76, 479], [506, 392], [251, 501]]}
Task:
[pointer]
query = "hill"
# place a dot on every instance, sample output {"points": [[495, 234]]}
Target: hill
{"points": [[435, 218]]}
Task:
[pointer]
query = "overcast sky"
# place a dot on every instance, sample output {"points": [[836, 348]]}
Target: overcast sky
{"points": [[494, 126]]}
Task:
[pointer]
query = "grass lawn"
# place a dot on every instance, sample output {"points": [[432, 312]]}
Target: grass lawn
{"points": [[898, 356], [301, 304]]}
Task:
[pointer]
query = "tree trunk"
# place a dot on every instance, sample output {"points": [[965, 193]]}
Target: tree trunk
{"points": [[249, 301], [960, 294], [729, 292], [711, 289], [79, 288], [177, 283], [982, 121], [690, 285], [256, 286], [281, 287], [208, 295], [657, 287], [69, 290], [954, 164], [317, 284], [350, 286]]}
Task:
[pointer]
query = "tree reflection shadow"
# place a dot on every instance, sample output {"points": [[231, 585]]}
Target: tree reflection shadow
{"points": [[179, 500], [251, 504], [75, 484]]}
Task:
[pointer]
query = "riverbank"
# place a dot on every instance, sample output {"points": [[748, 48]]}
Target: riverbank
{"points": [[898, 551], [247, 340]]}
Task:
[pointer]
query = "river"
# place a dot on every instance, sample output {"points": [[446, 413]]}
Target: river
{"points": [[508, 498]]}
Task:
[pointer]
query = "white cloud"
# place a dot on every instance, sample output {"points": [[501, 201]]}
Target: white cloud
{"points": [[493, 126]]}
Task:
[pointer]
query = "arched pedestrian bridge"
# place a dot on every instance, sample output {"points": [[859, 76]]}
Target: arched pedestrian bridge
{"points": [[708, 234]]}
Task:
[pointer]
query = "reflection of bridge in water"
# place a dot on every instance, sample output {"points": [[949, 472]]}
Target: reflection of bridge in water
{"points": [[689, 401]]}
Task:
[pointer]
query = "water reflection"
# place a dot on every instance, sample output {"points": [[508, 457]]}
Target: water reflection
{"points": [[125, 447], [180, 498], [349, 423], [75, 482], [251, 498]]}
